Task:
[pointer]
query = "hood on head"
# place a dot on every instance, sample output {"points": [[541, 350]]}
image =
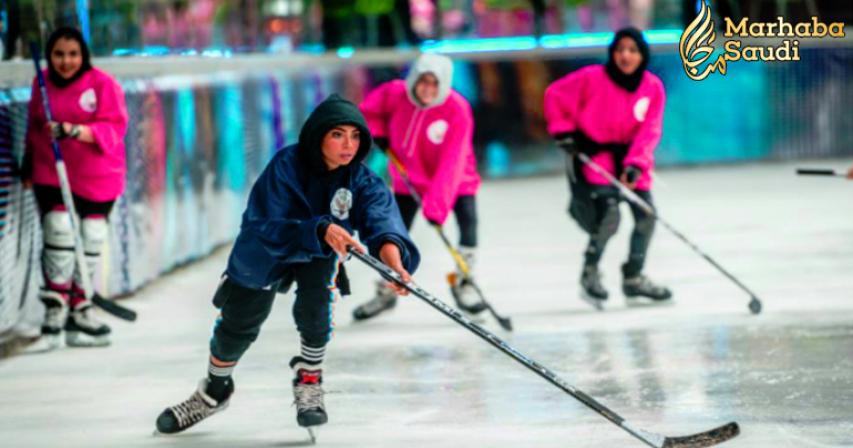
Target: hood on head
{"points": [[438, 65], [333, 111], [628, 82]]}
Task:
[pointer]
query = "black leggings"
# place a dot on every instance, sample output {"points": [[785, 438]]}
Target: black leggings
{"points": [[596, 210], [244, 310], [49, 198], [465, 210]]}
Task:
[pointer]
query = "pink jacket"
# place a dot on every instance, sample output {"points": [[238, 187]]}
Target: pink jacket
{"points": [[587, 100], [433, 143], [96, 171]]}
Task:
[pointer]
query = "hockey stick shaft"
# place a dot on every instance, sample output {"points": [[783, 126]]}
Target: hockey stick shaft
{"points": [[818, 172], [503, 321], [650, 439], [647, 208], [64, 185]]}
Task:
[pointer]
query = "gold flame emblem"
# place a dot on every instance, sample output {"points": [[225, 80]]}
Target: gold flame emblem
{"points": [[695, 46]]}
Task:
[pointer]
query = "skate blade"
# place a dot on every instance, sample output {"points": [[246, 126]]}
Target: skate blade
{"points": [[598, 304], [645, 302], [80, 339]]}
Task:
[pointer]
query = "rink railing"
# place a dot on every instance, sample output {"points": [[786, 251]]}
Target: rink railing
{"points": [[202, 128]]}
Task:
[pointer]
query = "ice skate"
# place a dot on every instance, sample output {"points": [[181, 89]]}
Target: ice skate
{"points": [[385, 299], [308, 396], [462, 287], [640, 290], [56, 313], [83, 329], [465, 294], [592, 291], [193, 410]]}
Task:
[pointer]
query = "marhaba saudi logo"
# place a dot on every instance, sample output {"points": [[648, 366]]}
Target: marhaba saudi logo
{"points": [[696, 44]]}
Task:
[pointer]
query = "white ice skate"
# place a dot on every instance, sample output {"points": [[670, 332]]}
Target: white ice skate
{"points": [[56, 313]]}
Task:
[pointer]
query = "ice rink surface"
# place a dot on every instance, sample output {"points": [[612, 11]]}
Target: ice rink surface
{"points": [[414, 378]]}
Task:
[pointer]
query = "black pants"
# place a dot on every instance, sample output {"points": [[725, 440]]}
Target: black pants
{"points": [[596, 210], [244, 310], [49, 198], [465, 210]]}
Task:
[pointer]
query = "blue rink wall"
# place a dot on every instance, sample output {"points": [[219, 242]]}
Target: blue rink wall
{"points": [[196, 143]]}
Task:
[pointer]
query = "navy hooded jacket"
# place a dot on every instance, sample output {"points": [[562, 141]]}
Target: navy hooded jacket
{"points": [[296, 196]]}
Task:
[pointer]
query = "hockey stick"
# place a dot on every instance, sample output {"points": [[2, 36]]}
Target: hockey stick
{"points": [[703, 439], [114, 308], [819, 172], [754, 303], [68, 202], [504, 322]]}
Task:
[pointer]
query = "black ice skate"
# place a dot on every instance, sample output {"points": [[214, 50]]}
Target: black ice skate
{"points": [[592, 291], [193, 410], [640, 286], [308, 395], [385, 299], [465, 294], [83, 329]]}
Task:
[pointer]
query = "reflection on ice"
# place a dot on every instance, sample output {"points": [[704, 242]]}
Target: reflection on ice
{"points": [[414, 378]]}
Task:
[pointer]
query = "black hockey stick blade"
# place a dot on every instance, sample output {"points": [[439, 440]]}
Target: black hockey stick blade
{"points": [[817, 172], [114, 308], [504, 322], [755, 305], [713, 437]]}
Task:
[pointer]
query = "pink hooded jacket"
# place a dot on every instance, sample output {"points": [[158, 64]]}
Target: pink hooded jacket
{"points": [[96, 171], [433, 142], [587, 100]]}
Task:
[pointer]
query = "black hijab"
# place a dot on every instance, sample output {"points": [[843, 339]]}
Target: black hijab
{"points": [[70, 33], [333, 111], [628, 82]]}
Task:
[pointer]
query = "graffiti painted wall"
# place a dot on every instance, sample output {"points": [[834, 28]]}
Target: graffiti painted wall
{"points": [[197, 141]]}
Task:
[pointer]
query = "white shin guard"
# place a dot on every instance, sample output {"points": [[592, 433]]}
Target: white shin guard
{"points": [[95, 232], [58, 256]]}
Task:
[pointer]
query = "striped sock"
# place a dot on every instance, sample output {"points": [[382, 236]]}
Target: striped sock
{"points": [[218, 377], [313, 355]]}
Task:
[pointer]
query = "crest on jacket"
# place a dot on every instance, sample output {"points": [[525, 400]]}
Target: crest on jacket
{"points": [[341, 204], [436, 131], [88, 100], [641, 107]]}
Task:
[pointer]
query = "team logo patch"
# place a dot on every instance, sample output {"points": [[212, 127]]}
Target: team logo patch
{"points": [[641, 108], [341, 204], [436, 131], [88, 100]]}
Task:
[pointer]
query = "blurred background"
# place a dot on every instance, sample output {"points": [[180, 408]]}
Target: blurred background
{"points": [[157, 27], [215, 87]]}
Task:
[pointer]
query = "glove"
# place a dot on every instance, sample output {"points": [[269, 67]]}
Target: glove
{"points": [[59, 133], [632, 174], [566, 142], [382, 143], [57, 130]]}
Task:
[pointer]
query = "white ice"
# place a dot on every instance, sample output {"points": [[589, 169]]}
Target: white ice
{"points": [[414, 378]]}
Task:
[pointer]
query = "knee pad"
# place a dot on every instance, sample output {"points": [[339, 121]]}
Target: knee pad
{"points": [[58, 255], [95, 232]]}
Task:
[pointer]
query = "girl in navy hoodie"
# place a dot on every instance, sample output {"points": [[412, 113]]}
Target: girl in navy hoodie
{"points": [[297, 228]]}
